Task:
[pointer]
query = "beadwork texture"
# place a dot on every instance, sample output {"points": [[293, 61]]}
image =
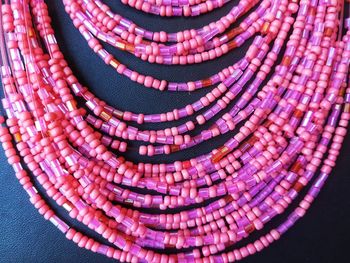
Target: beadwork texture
{"points": [[287, 124]]}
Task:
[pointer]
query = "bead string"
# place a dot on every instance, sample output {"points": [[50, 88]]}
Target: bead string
{"points": [[175, 8]]}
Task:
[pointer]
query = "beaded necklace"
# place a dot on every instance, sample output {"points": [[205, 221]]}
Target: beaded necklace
{"points": [[289, 134], [175, 8]]}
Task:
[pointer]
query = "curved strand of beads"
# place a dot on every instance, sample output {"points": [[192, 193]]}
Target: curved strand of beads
{"points": [[175, 8]]}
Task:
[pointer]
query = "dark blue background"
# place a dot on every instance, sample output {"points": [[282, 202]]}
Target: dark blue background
{"points": [[321, 236]]}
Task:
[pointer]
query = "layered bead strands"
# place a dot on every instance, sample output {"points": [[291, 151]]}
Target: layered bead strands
{"points": [[285, 106]]}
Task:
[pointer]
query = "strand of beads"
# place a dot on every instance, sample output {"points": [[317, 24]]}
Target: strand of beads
{"points": [[297, 124], [175, 8]]}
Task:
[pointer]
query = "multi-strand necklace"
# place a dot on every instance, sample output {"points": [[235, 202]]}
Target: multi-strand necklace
{"points": [[288, 118]]}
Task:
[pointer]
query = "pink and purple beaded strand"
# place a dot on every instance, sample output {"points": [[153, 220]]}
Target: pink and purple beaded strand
{"points": [[175, 8]]}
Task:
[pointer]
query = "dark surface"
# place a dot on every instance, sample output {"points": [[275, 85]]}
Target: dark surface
{"points": [[321, 236]]}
